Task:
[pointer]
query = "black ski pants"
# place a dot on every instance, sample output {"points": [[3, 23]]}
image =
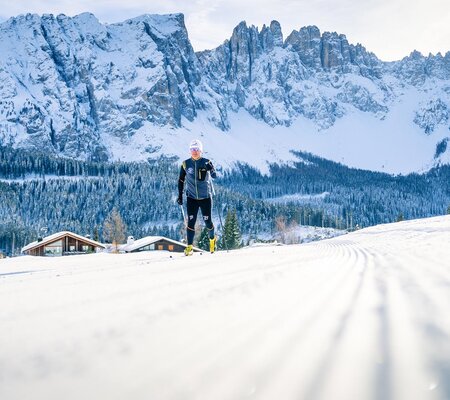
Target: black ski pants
{"points": [[192, 206]]}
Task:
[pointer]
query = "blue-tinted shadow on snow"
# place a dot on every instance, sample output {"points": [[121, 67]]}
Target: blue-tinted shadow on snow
{"points": [[21, 272]]}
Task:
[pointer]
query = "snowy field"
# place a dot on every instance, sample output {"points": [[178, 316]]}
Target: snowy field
{"points": [[358, 317]]}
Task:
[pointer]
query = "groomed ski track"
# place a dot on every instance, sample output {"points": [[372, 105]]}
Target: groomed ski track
{"points": [[359, 317]]}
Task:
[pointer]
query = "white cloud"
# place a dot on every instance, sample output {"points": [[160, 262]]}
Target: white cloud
{"points": [[389, 28]]}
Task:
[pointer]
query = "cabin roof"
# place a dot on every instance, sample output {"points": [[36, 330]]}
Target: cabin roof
{"points": [[59, 235]]}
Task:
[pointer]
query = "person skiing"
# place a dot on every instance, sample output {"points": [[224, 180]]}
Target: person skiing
{"points": [[194, 171]]}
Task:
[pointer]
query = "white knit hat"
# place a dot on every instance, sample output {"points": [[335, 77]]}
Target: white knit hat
{"points": [[196, 144]]}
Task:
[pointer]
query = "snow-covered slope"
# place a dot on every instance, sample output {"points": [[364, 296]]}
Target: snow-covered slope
{"points": [[361, 316], [69, 84], [133, 90]]}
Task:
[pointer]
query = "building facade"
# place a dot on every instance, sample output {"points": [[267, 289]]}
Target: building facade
{"points": [[151, 243], [62, 244]]}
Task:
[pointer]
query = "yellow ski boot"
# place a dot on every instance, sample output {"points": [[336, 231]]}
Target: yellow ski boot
{"points": [[212, 245], [188, 251]]}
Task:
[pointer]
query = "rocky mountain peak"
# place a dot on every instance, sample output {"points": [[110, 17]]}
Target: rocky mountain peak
{"points": [[271, 36], [73, 86], [85, 81]]}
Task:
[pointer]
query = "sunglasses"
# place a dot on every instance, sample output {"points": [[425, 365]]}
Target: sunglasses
{"points": [[195, 149]]}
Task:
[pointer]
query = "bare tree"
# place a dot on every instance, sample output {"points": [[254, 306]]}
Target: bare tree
{"points": [[281, 227], [114, 229]]}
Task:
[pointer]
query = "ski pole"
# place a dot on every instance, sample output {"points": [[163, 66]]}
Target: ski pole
{"points": [[213, 192], [184, 216]]}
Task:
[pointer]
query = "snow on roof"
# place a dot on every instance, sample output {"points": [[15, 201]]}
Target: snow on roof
{"points": [[148, 240], [58, 235]]}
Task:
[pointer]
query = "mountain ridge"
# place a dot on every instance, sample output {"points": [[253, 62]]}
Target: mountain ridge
{"points": [[137, 89]]}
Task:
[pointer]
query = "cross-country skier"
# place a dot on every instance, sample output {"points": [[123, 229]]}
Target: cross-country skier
{"points": [[194, 171]]}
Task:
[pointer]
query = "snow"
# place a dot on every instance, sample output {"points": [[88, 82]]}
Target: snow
{"points": [[393, 145], [293, 234], [361, 122], [360, 316], [165, 24], [304, 234], [49, 177], [299, 197]]}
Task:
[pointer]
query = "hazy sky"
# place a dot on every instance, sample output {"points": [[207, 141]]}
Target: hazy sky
{"points": [[389, 28]]}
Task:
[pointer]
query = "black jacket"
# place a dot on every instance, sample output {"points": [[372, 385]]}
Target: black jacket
{"points": [[195, 174]]}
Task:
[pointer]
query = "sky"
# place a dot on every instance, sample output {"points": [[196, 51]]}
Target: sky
{"points": [[391, 29]]}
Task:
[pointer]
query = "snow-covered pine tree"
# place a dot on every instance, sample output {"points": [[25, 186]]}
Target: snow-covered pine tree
{"points": [[96, 235], [203, 240], [231, 232]]}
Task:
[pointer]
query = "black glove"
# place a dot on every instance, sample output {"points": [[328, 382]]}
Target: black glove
{"points": [[180, 200]]}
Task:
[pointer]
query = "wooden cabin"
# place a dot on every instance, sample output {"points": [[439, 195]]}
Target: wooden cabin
{"points": [[151, 243], [62, 244]]}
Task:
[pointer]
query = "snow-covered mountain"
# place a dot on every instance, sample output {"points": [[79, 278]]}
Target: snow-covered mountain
{"points": [[361, 316], [70, 83], [137, 89]]}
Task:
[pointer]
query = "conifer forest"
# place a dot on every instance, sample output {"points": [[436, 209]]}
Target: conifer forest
{"points": [[41, 194]]}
